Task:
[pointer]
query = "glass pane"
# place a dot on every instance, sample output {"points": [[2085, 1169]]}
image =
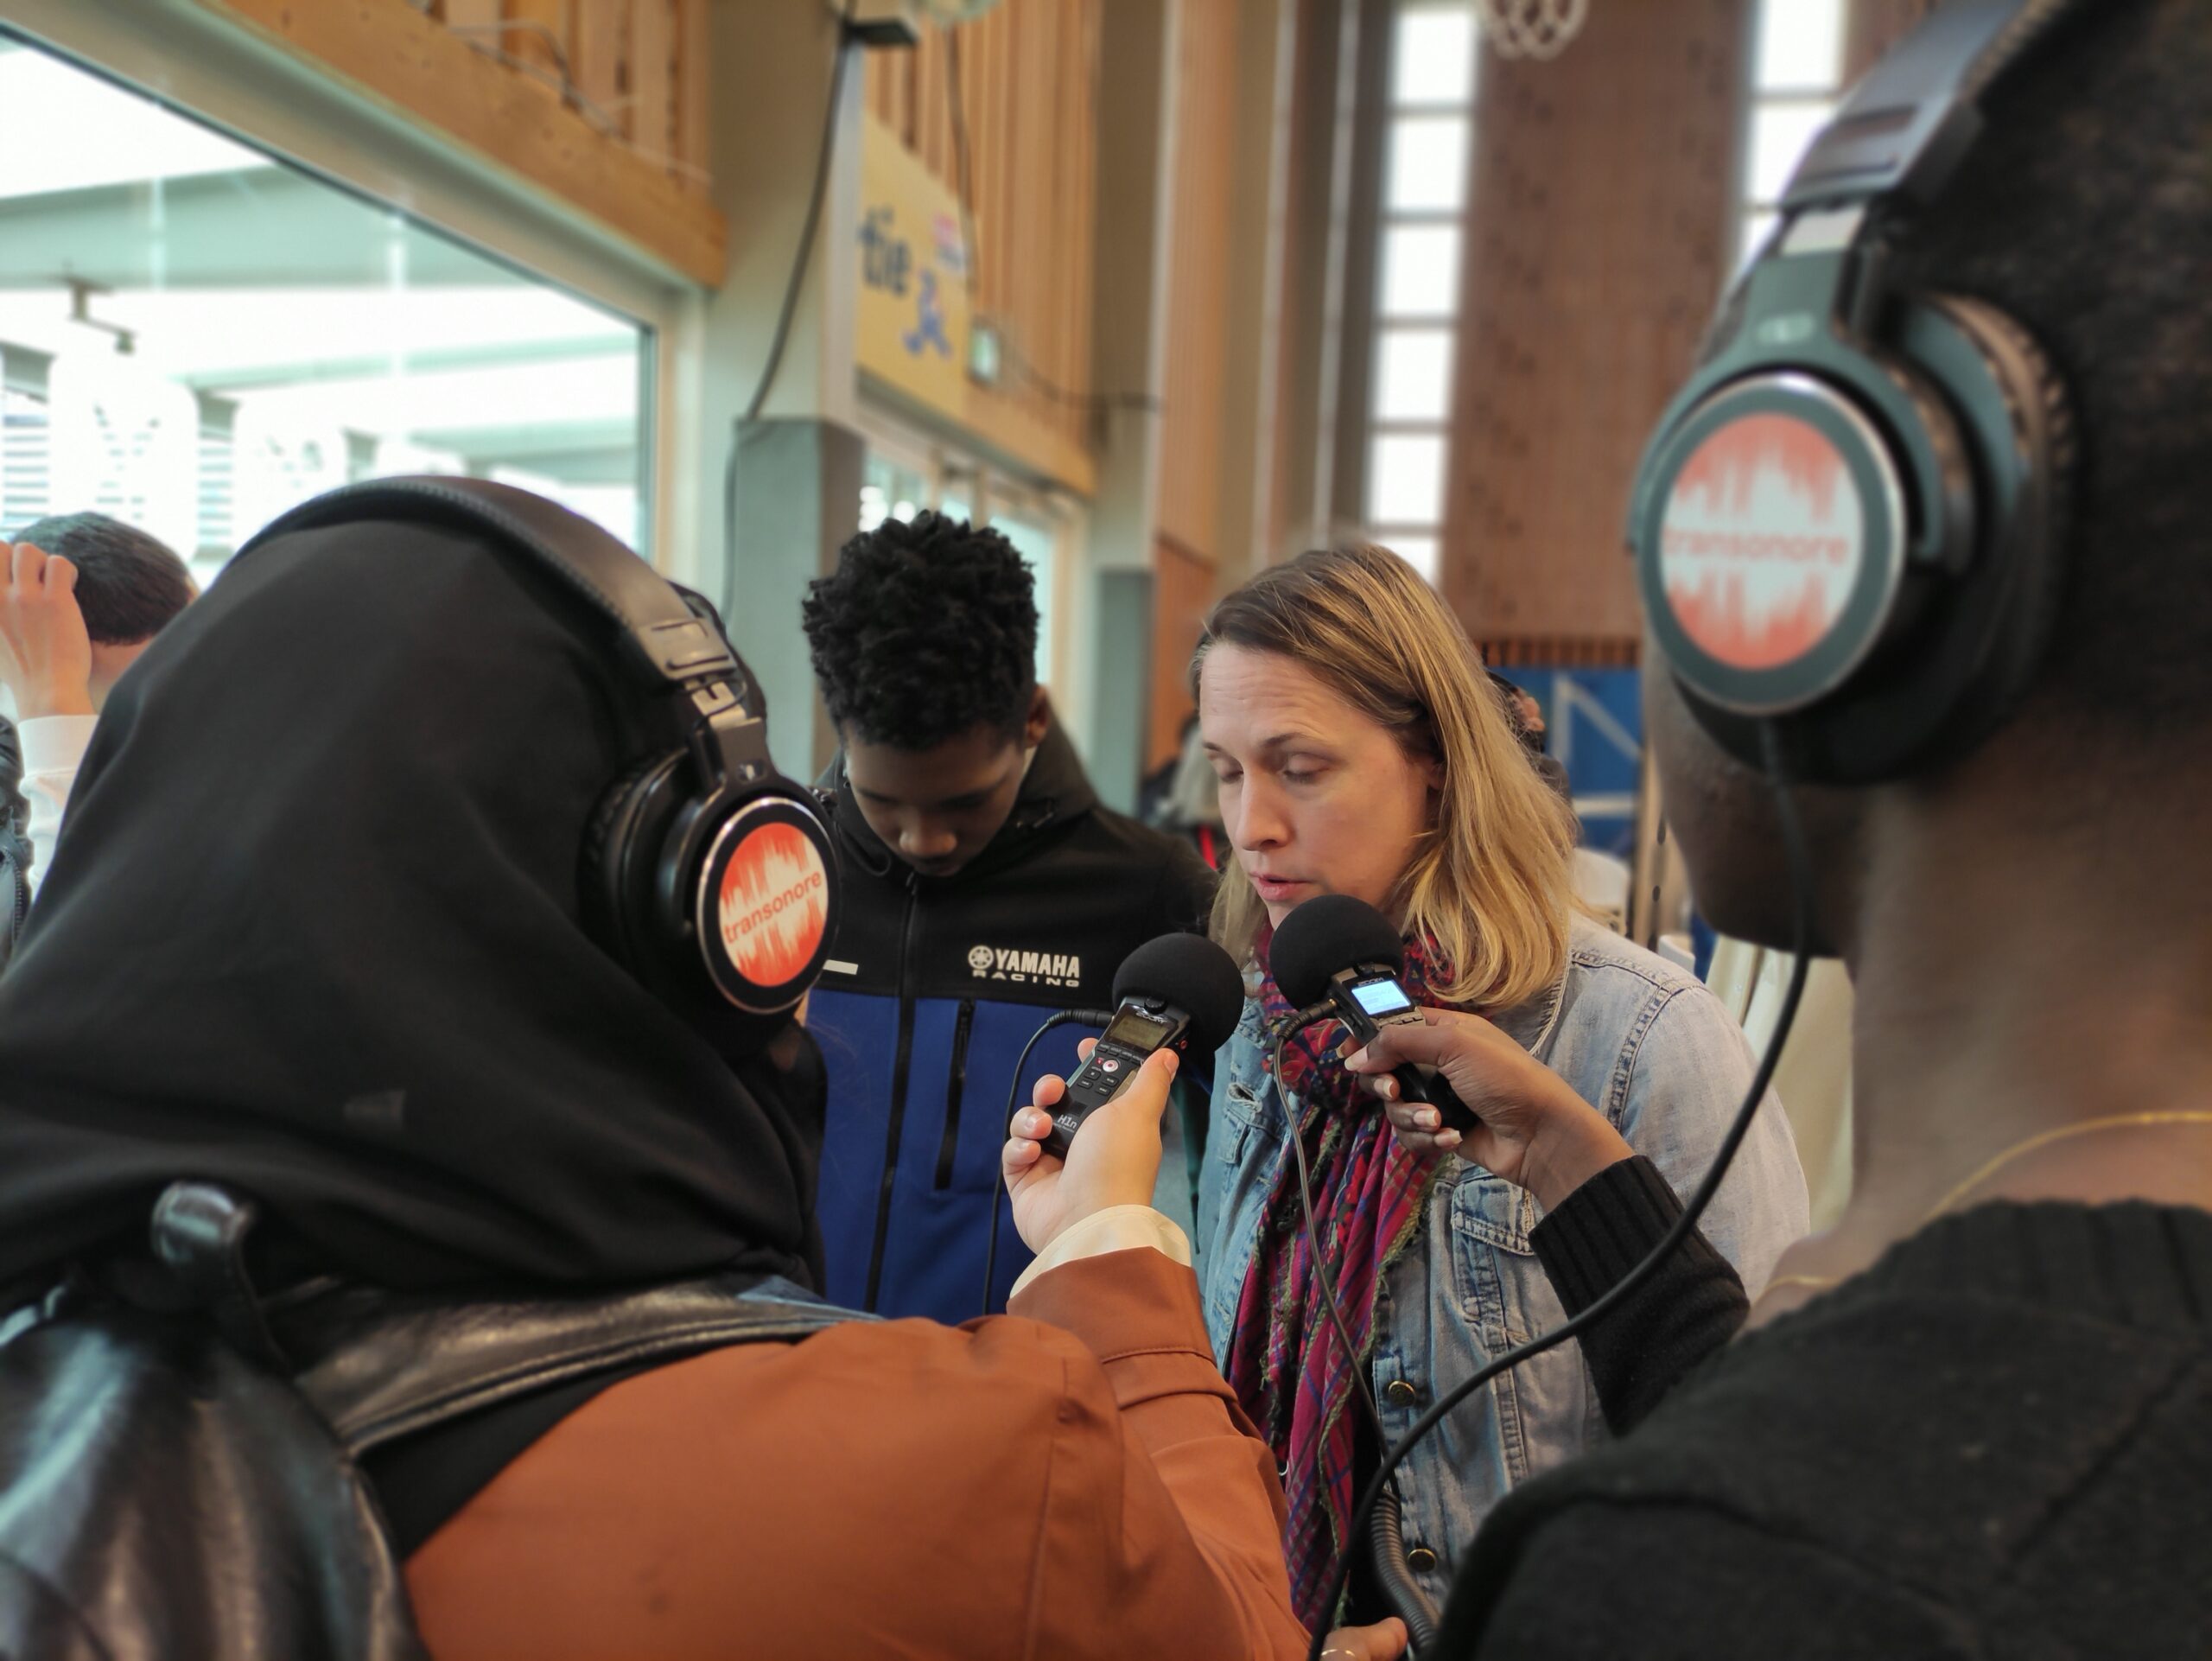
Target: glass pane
{"points": [[1435, 57], [1039, 551], [1801, 45], [889, 491], [1428, 162], [1414, 375], [1780, 135], [1758, 226], [1421, 270], [1420, 552], [1405, 478], [231, 335]]}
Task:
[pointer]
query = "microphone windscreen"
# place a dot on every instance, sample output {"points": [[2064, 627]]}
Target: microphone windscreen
{"points": [[1330, 933], [1196, 975]]}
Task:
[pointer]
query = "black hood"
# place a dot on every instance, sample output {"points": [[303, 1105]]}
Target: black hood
{"points": [[316, 933], [1055, 793]]}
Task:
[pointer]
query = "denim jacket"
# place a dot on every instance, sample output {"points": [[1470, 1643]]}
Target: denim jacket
{"points": [[1648, 1046]]}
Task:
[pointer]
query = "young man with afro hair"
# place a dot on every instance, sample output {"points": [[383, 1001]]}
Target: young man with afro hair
{"points": [[986, 887]]}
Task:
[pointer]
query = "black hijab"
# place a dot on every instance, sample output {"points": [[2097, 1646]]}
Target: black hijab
{"points": [[314, 933]]}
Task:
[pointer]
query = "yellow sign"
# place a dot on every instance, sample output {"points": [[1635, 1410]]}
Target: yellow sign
{"points": [[914, 290]]}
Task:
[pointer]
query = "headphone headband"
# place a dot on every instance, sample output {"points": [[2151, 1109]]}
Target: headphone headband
{"points": [[716, 878], [662, 640], [1906, 126]]}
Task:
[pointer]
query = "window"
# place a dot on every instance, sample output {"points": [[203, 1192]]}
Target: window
{"points": [[1428, 148], [195, 336], [1796, 77]]}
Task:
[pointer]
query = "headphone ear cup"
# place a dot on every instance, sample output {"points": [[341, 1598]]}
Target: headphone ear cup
{"points": [[1969, 628], [621, 848], [1971, 650], [755, 876], [2042, 419]]}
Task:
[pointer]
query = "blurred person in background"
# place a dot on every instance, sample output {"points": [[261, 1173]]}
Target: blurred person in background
{"points": [[1526, 716], [1186, 801], [81, 596]]}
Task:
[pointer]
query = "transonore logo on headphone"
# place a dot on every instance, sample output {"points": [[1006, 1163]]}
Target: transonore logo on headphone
{"points": [[774, 903], [1762, 541]]}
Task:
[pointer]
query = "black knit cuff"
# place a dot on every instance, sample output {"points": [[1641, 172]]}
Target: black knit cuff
{"points": [[1606, 1227]]}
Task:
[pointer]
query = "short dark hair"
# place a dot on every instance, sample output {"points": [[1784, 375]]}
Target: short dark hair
{"points": [[926, 630], [2085, 211], [129, 584]]}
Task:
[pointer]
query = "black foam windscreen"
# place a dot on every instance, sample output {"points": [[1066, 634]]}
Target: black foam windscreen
{"points": [[1196, 975], [1330, 933]]}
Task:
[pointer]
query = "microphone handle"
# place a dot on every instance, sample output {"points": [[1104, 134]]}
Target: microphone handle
{"points": [[1417, 1084]]}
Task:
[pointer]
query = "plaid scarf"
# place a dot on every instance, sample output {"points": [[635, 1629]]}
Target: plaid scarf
{"points": [[1285, 1363]]}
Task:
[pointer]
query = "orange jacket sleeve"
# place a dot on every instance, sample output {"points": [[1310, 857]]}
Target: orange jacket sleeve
{"points": [[1012, 1489], [1165, 1519]]}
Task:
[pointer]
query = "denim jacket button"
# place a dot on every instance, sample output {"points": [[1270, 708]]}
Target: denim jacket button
{"points": [[1420, 1560], [1400, 1393]]}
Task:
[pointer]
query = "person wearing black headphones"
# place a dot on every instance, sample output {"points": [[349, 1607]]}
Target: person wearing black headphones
{"points": [[1923, 552]]}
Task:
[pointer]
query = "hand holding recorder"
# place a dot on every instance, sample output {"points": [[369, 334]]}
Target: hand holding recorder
{"points": [[1115, 1163], [1529, 1126]]}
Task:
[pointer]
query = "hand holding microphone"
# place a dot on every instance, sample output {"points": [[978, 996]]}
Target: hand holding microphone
{"points": [[1449, 1082], [1529, 1127]]}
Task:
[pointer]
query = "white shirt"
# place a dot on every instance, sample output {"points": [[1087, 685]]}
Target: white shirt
{"points": [[54, 748]]}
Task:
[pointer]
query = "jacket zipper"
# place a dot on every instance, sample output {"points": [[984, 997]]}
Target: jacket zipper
{"points": [[19, 900], [955, 1088], [900, 1067]]}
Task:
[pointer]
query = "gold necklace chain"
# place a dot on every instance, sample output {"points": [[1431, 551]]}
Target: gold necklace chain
{"points": [[1990, 1167]]}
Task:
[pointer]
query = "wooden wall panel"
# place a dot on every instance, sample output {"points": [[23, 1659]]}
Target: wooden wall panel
{"points": [[600, 48], [1182, 593], [639, 67], [652, 114], [537, 34], [1599, 218], [1191, 472], [524, 96], [1027, 72]]}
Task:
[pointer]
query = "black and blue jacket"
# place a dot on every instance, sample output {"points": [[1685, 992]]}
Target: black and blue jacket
{"points": [[932, 987]]}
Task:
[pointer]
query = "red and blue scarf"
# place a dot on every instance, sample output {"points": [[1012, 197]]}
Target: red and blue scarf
{"points": [[1286, 1362]]}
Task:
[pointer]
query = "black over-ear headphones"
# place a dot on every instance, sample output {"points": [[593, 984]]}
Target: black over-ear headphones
{"points": [[704, 871], [1851, 521]]}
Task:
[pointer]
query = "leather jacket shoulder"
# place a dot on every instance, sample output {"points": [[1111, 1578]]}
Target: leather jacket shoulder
{"points": [[181, 1475]]}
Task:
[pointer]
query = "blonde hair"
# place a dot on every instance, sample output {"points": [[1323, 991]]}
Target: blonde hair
{"points": [[1488, 882]]}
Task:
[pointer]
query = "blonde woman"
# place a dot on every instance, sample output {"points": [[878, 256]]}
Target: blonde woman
{"points": [[1361, 751]]}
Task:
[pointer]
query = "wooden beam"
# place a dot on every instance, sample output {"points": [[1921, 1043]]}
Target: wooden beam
{"points": [[394, 53]]}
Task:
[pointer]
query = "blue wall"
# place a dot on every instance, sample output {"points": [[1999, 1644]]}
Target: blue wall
{"points": [[1595, 718]]}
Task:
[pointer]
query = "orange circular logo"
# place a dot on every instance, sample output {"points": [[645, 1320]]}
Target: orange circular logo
{"points": [[774, 905], [1762, 541]]}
